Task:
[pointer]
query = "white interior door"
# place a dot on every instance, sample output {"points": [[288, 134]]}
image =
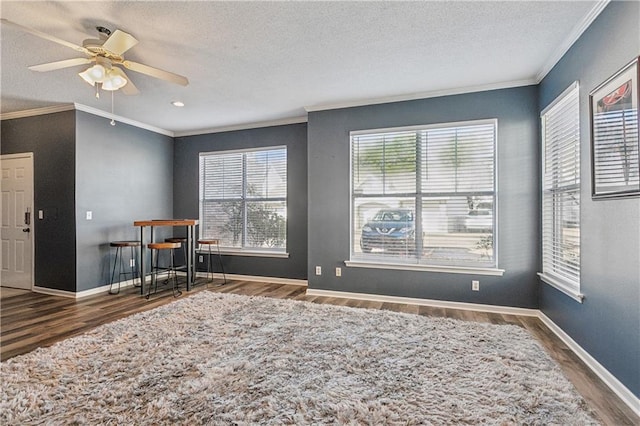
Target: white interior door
{"points": [[17, 220]]}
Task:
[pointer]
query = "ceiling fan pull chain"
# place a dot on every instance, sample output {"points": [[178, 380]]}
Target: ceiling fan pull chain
{"points": [[112, 122]]}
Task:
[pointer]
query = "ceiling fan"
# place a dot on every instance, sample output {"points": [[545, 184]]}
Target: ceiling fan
{"points": [[106, 52]]}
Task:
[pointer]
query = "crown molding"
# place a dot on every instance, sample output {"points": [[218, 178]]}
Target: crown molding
{"points": [[420, 95], [120, 119], [36, 111], [84, 108], [244, 126], [573, 36], [100, 113]]}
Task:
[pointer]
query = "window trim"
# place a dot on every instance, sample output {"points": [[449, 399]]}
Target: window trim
{"points": [[361, 263], [564, 285], [560, 284], [425, 268], [248, 251]]}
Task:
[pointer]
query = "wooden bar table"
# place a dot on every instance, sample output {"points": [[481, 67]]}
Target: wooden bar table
{"points": [[189, 224]]}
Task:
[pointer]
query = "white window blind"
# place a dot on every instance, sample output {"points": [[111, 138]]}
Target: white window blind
{"points": [[561, 191], [615, 136], [243, 198], [424, 195]]}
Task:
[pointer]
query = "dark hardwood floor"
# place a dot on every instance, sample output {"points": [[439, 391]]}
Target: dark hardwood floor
{"points": [[32, 320]]}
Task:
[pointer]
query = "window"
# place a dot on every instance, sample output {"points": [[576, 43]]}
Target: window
{"points": [[243, 198], [424, 195], [561, 193]]}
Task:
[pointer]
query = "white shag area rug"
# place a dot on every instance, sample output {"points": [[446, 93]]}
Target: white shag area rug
{"points": [[228, 359]]}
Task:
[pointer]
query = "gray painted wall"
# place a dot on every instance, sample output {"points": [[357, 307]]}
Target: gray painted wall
{"points": [[518, 197], [185, 191], [607, 324], [51, 138], [123, 173]]}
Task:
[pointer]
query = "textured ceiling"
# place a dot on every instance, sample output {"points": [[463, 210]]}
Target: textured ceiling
{"points": [[251, 62]]}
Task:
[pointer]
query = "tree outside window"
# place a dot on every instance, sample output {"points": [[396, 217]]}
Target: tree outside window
{"points": [[444, 176], [243, 198]]}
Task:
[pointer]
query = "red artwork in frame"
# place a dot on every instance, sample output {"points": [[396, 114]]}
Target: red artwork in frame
{"points": [[615, 145]]}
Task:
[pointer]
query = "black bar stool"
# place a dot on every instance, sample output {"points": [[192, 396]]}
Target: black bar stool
{"points": [[209, 243], [155, 269], [120, 245], [183, 243]]}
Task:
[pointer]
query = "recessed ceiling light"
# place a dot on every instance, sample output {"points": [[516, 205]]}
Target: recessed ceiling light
{"points": [[177, 103]]}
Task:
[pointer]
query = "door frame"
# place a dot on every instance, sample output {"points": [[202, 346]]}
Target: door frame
{"points": [[29, 156]]}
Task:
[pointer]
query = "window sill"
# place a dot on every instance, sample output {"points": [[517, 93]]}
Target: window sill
{"points": [[247, 253], [562, 286], [426, 268]]}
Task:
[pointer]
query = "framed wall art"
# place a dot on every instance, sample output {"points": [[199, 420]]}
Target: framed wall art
{"points": [[615, 169]]}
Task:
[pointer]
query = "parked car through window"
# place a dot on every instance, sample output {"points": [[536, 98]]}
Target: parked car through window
{"points": [[389, 230]]}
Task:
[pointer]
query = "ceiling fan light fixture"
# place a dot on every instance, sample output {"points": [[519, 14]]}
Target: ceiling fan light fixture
{"points": [[94, 74], [114, 80], [97, 72], [89, 75], [111, 78]]}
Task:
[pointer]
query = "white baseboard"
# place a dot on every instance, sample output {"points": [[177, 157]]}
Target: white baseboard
{"points": [[129, 283], [609, 379], [54, 292], [426, 302], [80, 294], [274, 280]]}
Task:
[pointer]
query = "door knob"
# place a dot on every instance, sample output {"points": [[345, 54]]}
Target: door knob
{"points": [[26, 230]]}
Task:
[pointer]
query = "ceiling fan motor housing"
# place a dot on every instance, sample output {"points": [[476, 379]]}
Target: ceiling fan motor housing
{"points": [[104, 32], [95, 46]]}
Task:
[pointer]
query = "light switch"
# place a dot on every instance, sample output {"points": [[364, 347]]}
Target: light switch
{"points": [[89, 215]]}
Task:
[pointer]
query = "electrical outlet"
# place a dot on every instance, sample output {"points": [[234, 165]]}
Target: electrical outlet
{"points": [[201, 259], [338, 271], [40, 214], [318, 270], [132, 262], [475, 285]]}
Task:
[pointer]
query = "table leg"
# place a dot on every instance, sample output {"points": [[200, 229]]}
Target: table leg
{"points": [[143, 275], [193, 254], [189, 259]]}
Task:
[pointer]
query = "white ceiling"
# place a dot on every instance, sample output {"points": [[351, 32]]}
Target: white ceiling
{"points": [[253, 62]]}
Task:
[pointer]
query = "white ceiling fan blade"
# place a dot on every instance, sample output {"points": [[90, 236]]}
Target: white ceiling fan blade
{"points": [[119, 42], [51, 66], [156, 72], [129, 88], [46, 36]]}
